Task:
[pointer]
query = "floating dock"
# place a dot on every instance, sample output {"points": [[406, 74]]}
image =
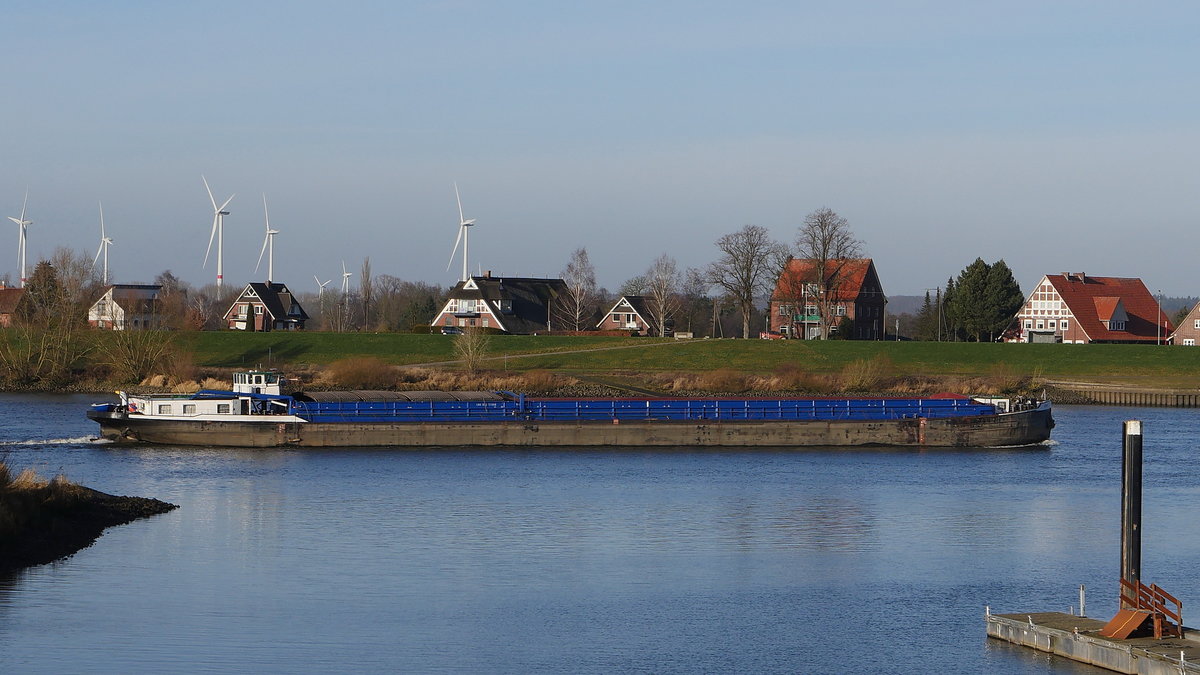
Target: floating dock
{"points": [[1077, 638]]}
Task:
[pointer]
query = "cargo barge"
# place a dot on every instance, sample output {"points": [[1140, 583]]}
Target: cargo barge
{"points": [[256, 413]]}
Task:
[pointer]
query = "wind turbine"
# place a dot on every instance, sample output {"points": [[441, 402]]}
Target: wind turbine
{"points": [[463, 224], [268, 242], [218, 230], [320, 287], [23, 232], [345, 281], [105, 242]]}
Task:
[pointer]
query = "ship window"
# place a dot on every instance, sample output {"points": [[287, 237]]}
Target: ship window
{"points": [[189, 408], [164, 408], [223, 408]]}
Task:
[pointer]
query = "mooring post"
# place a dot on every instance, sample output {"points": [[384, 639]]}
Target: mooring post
{"points": [[1131, 505], [1082, 601]]}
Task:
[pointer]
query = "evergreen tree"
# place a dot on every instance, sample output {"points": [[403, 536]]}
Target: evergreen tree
{"points": [[926, 321], [982, 300], [1004, 298]]}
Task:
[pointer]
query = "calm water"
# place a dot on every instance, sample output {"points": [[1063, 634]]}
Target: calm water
{"points": [[435, 561]]}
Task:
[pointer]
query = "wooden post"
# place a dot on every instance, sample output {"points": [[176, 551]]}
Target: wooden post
{"points": [[1131, 505]]}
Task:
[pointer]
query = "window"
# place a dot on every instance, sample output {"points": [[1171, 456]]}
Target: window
{"points": [[258, 309], [164, 408], [223, 408], [189, 408], [1051, 325], [449, 321], [1196, 324], [1063, 324], [1040, 324], [841, 310], [616, 318], [1028, 324], [486, 322], [1189, 342], [810, 310], [784, 310], [243, 310]]}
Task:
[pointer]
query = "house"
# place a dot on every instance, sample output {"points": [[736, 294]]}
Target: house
{"points": [[1188, 330], [127, 306], [1075, 308], [9, 299], [631, 313], [512, 304], [265, 307], [856, 294]]}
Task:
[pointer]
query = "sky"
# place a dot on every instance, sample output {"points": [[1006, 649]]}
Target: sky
{"points": [[1058, 136]]}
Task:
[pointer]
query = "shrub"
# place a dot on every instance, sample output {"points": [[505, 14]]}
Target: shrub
{"points": [[723, 380], [866, 375], [362, 372]]}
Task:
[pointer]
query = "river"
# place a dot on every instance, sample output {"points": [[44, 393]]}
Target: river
{"points": [[588, 561]]}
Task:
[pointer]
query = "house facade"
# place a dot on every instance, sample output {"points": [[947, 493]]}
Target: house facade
{"points": [[631, 313], [795, 307], [1074, 308], [1187, 333], [127, 307], [265, 307], [518, 305]]}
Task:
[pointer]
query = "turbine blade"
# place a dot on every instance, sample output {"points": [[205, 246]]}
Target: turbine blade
{"points": [[18, 222], [210, 241], [459, 199], [23, 203], [260, 253], [227, 202], [210, 197], [101, 220], [266, 216], [457, 241], [98, 252]]}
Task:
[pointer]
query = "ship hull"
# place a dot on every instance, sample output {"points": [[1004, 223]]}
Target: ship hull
{"points": [[1026, 427]]}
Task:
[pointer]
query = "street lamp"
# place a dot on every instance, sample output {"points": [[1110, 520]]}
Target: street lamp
{"points": [[1158, 319]]}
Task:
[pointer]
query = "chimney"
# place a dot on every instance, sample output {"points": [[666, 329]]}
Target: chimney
{"points": [[487, 274]]}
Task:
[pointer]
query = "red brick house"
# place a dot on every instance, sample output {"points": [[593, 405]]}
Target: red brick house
{"points": [[857, 295], [9, 299], [1187, 333], [1075, 308], [265, 307]]}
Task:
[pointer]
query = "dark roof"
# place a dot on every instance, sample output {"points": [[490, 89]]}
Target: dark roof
{"points": [[1092, 301], [9, 298], [271, 297], [530, 298]]}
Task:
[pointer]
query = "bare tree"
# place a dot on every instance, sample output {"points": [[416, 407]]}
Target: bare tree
{"points": [[366, 292], [826, 241], [744, 268], [471, 347], [577, 308], [662, 283]]}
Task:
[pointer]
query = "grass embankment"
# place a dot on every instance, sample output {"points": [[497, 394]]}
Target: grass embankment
{"points": [[668, 364], [44, 520]]}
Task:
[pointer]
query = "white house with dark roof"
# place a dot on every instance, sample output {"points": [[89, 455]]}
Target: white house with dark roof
{"points": [[631, 312], [127, 306], [518, 305], [265, 307]]}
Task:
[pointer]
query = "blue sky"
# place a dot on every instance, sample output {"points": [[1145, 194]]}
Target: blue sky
{"points": [[1055, 135]]}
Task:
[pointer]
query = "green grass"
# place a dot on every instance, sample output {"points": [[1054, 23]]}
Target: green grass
{"points": [[1164, 366]]}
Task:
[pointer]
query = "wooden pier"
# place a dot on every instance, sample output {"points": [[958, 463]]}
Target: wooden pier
{"points": [[1077, 638]]}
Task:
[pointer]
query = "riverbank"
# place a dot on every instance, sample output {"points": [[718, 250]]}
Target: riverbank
{"points": [[44, 520]]}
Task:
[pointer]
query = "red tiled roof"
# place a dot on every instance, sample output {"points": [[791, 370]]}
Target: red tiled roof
{"points": [[853, 272], [9, 297], [1092, 301]]}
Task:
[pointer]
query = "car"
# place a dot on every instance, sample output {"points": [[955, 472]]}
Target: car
{"points": [[765, 335], [451, 330]]}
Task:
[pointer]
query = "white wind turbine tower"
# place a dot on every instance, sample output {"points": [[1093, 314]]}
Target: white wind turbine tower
{"points": [[463, 224], [345, 281], [105, 242], [269, 242], [22, 233], [218, 230]]}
